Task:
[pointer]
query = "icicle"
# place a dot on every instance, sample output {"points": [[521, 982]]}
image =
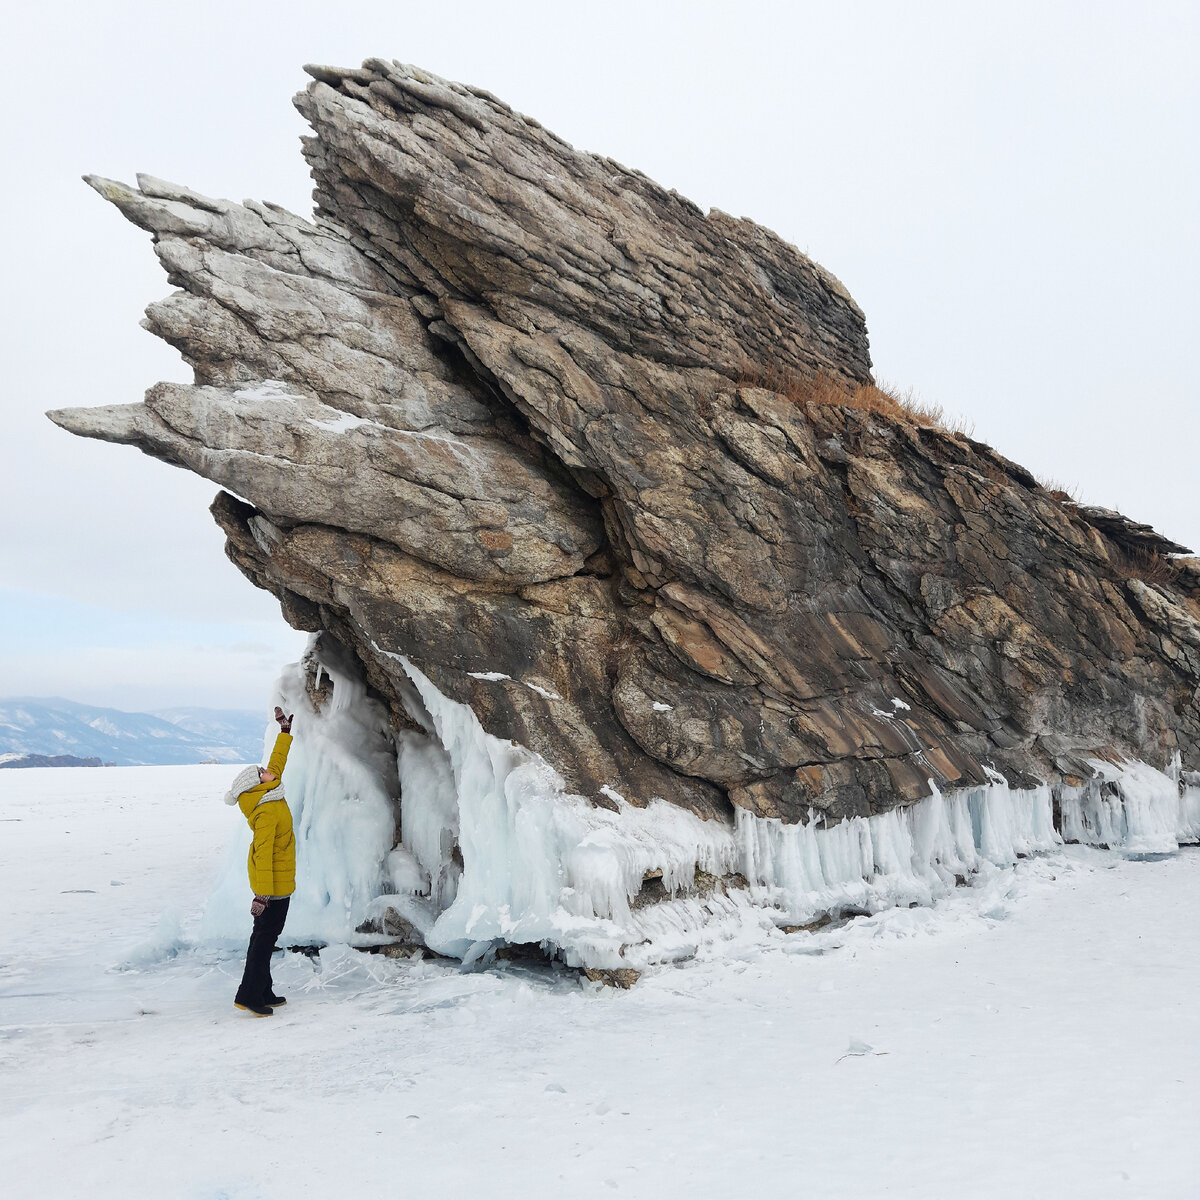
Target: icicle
{"points": [[1132, 807], [906, 856]]}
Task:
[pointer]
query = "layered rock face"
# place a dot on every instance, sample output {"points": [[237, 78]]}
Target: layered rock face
{"points": [[496, 411]]}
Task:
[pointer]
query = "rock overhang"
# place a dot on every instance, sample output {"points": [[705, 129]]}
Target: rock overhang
{"points": [[490, 412]]}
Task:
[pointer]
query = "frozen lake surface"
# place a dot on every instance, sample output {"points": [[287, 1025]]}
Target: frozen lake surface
{"points": [[1035, 1035]]}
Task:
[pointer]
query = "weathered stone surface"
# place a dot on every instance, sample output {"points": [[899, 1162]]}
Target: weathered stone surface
{"points": [[491, 412], [405, 939], [371, 432], [1130, 535], [620, 977]]}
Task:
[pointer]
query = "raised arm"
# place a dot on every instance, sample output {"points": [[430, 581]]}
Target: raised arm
{"points": [[283, 743]]}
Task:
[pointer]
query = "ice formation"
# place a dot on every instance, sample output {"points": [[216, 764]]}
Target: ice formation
{"points": [[341, 786], [1133, 807], [910, 855], [495, 850]]}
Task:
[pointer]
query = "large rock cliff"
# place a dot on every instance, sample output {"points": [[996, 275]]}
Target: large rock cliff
{"points": [[519, 416]]}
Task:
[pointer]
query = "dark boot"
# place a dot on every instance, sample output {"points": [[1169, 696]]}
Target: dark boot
{"points": [[257, 1010]]}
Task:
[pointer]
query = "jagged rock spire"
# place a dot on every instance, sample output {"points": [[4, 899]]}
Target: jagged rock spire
{"points": [[500, 409]]}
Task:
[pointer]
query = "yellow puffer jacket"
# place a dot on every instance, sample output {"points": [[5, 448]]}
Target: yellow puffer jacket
{"points": [[272, 860]]}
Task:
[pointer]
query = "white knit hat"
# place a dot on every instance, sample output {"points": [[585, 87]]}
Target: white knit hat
{"points": [[243, 781]]}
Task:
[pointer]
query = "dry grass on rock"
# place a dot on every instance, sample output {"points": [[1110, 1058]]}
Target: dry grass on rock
{"points": [[1147, 565], [1063, 493], [880, 398]]}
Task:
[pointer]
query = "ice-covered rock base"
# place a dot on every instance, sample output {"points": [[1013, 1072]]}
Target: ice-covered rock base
{"points": [[493, 850], [1132, 807]]}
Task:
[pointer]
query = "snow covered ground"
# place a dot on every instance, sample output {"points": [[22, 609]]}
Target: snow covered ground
{"points": [[1036, 1035]]}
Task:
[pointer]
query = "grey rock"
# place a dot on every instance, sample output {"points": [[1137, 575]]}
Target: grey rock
{"points": [[500, 408], [1131, 535]]}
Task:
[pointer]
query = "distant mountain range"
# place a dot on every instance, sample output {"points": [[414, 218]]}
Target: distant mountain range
{"points": [[33, 728]]}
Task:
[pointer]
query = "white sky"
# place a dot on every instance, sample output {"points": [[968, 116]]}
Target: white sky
{"points": [[1009, 191]]}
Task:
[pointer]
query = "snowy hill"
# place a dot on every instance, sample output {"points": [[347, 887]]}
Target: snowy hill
{"points": [[54, 726]]}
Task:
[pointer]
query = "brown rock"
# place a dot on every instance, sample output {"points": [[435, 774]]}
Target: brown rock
{"points": [[498, 411], [621, 977]]}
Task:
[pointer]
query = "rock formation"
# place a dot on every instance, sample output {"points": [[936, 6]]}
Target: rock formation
{"points": [[521, 416]]}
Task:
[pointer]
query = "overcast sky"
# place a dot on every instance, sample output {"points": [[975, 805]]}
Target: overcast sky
{"points": [[1009, 191]]}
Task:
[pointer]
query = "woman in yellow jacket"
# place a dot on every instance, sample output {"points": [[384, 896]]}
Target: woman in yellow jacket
{"points": [[258, 792]]}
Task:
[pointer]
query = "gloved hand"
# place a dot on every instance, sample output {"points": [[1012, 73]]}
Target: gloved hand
{"points": [[258, 905], [285, 723]]}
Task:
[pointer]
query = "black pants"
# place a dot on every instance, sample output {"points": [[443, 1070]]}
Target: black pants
{"points": [[256, 984]]}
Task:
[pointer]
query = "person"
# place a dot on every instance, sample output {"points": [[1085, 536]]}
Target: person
{"points": [[258, 792]]}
